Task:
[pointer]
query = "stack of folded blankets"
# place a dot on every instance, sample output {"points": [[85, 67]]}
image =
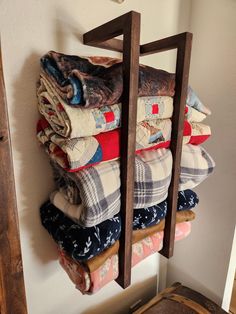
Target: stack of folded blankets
{"points": [[80, 100]]}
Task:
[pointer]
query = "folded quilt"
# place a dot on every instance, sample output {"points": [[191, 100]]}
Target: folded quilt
{"points": [[196, 165], [143, 217], [91, 282], [98, 187], [181, 216], [95, 262], [194, 102], [138, 235], [74, 122], [80, 243], [75, 154], [98, 81], [151, 216]]}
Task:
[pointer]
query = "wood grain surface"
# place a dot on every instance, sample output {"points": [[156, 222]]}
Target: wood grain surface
{"points": [[12, 290]]}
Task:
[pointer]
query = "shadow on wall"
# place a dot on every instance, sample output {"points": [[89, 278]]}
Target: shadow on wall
{"points": [[35, 175], [64, 25], [144, 290]]}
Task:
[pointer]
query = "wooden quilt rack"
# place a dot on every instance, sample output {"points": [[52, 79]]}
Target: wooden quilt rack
{"points": [[103, 36]]}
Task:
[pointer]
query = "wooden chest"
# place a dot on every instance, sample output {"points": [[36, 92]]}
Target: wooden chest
{"points": [[179, 299]]}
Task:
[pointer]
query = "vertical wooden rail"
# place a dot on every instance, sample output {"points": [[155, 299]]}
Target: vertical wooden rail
{"points": [[181, 87], [129, 26], [12, 290], [183, 43], [128, 143]]}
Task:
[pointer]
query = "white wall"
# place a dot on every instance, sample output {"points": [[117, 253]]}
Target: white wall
{"points": [[29, 28], [201, 260], [229, 285]]}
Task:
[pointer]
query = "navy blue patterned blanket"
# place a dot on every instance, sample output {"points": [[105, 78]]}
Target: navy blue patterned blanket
{"points": [[84, 243]]}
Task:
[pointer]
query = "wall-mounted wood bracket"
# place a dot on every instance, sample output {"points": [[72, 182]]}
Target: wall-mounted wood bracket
{"points": [[104, 37]]}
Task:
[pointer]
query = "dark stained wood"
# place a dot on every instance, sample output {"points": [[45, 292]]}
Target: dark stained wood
{"points": [[161, 45], [110, 44], [128, 142], [129, 26], [12, 290], [107, 31], [182, 73]]}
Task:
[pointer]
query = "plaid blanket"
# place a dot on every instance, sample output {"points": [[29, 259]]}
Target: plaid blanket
{"points": [[98, 187], [143, 217], [75, 154], [74, 122], [98, 81], [196, 165]]}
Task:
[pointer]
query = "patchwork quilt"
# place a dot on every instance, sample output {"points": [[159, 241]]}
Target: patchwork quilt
{"points": [[73, 121], [78, 153]]}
